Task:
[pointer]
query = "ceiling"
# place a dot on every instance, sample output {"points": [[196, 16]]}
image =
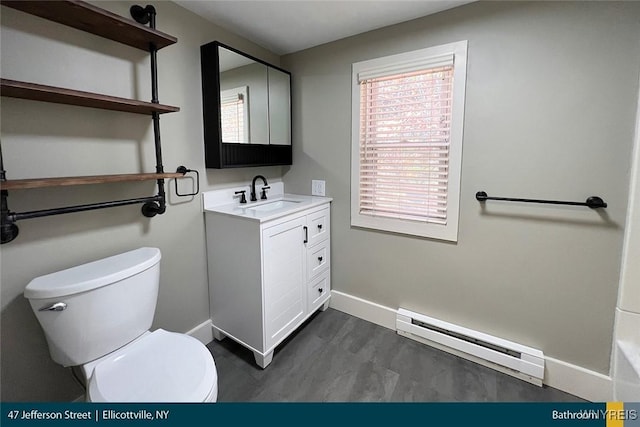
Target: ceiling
{"points": [[293, 25]]}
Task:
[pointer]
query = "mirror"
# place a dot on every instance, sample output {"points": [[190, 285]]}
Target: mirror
{"points": [[244, 99], [247, 109], [279, 107]]}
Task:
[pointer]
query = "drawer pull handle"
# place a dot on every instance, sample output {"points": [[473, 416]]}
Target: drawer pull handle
{"points": [[319, 226], [319, 259]]}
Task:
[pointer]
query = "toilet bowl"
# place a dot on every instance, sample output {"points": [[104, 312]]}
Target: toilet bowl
{"points": [[97, 316], [160, 366]]}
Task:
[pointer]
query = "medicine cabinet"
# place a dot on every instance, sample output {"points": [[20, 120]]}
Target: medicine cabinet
{"points": [[247, 109]]}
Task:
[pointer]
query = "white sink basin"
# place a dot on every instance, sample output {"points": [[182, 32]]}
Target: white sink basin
{"points": [[275, 205], [279, 204]]}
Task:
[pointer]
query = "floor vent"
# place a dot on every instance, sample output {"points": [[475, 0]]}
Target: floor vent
{"points": [[511, 358]]}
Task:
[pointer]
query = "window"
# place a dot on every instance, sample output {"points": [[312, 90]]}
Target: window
{"points": [[406, 143], [234, 115]]}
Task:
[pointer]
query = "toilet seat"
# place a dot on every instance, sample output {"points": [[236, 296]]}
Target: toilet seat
{"points": [[159, 367]]}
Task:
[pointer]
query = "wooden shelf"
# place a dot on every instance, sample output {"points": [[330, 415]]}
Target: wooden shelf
{"points": [[38, 92], [22, 184], [92, 19]]}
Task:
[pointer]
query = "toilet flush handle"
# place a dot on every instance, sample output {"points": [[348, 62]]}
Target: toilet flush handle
{"points": [[58, 306]]}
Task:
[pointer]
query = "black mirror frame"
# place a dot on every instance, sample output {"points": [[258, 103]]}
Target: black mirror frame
{"points": [[221, 155]]}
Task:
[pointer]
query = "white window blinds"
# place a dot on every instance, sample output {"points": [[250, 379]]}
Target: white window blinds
{"points": [[404, 139], [232, 115]]}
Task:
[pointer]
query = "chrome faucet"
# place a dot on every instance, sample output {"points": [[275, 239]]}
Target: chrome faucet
{"points": [[263, 195]]}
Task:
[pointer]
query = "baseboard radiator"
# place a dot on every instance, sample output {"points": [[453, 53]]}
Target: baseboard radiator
{"points": [[505, 356]]}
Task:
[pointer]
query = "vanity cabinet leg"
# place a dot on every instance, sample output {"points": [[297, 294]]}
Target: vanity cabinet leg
{"points": [[325, 306], [263, 360], [217, 334]]}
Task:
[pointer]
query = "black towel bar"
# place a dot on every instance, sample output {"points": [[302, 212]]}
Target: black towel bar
{"points": [[593, 202]]}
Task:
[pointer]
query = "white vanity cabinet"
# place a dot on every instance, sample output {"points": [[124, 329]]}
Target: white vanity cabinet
{"points": [[267, 275]]}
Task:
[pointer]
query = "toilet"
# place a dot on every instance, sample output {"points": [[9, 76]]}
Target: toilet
{"points": [[96, 318]]}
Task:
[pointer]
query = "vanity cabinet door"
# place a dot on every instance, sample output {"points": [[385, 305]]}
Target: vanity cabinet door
{"points": [[283, 275]]}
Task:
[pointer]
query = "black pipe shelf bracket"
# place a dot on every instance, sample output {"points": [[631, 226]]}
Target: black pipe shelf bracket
{"points": [[144, 16], [593, 202], [152, 205]]}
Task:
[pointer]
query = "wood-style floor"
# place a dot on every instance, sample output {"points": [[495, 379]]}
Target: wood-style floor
{"points": [[336, 357]]}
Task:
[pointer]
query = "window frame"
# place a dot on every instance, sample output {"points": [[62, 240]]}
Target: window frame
{"points": [[448, 231], [241, 92]]}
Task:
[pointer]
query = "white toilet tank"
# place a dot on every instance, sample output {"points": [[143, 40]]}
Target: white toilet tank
{"points": [[93, 309]]}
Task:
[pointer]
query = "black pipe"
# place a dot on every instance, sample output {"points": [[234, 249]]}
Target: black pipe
{"points": [[153, 50], [147, 15], [8, 230], [593, 202], [79, 208], [3, 176]]}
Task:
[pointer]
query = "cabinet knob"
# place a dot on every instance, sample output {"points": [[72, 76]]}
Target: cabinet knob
{"points": [[320, 290], [319, 226], [319, 259]]}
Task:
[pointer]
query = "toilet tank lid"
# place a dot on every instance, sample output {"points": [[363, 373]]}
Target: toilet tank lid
{"points": [[92, 275]]}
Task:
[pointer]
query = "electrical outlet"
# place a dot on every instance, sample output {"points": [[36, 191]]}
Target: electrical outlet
{"points": [[317, 187]]}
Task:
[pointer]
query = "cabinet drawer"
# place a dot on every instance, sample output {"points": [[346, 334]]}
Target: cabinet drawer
{"points": [[318, 259], [319, 291], [319, 224]]}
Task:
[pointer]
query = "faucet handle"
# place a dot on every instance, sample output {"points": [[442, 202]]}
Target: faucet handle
{"points": [[263, 195], [243, 199]]}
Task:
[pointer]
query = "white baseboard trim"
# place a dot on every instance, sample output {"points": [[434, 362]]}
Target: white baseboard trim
{"points": [[564, 376], [203, 332], [577, 380], [367, 310]]}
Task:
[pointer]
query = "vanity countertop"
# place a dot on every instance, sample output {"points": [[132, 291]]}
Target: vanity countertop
{"points": [[265, 210]]}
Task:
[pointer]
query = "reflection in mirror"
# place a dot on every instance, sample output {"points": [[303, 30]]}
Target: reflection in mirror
{"points": [[279, 107], [248, 79], [234, 115]]}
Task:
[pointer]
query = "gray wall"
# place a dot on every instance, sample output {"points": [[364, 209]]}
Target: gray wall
{"points": [[550, 108], [40, 139]]}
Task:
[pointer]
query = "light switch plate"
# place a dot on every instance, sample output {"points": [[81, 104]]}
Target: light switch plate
{"points": [[317, 187]]}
